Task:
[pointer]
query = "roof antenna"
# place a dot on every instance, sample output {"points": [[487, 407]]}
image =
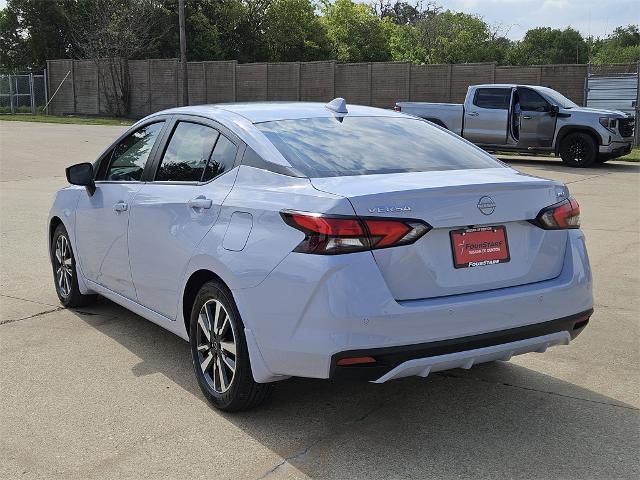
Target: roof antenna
{"points": [[337, 105]]}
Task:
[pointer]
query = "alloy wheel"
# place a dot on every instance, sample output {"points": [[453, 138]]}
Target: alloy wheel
{"points": [[216, 345], [578, 150], [64, 266]]}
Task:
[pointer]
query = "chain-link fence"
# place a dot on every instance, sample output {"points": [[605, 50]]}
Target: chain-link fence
{"points": [[26, 93]]}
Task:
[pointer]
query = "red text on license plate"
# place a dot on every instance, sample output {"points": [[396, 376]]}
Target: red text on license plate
{"points": [[477, 247]]}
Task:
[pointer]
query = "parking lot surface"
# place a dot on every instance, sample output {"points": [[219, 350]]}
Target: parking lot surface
{"points": [[102, 393]]}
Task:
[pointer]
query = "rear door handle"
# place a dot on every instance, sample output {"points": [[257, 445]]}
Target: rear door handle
{"points": [[120, 207], [200, 202], [527, 117], [473, 114]]}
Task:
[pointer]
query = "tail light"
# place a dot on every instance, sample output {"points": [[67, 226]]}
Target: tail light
{"points": [[560, 216], [335, 234]]}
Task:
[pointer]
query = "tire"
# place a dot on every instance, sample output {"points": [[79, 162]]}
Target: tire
{"points": [[219, 352], [65, 276], [578, 149]]}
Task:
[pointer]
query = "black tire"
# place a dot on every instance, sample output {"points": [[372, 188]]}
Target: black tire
{"points": [[578, 149], [65, 276], [227, 389]]}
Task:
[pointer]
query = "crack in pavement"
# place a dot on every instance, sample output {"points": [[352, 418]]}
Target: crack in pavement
{"points": [[588, 178], [39, 314], [27, 300], [301, 453], [531, 389]]}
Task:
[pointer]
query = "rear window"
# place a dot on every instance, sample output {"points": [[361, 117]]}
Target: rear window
{"points": [[330, 147]]}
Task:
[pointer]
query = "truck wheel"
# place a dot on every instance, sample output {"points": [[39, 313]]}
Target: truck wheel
{"points": [[578, 150]]}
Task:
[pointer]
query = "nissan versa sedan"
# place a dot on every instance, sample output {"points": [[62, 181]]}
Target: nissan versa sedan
{"points": [[325, 241]]}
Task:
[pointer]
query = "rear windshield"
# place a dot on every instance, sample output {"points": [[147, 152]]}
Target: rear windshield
{"points": [[329, 147]]}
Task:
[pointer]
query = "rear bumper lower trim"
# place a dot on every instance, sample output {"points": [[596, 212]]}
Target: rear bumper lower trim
{"points": [[471, 348], [424, 366]]}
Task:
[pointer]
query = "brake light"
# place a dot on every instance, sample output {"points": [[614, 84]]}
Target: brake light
{"points": [[335, 234], [562, 215]]}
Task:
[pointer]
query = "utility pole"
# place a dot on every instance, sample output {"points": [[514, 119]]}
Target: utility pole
{"points": [[183, 54]]}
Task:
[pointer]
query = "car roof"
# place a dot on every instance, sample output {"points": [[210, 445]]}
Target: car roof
{"points": [[505, 85], [257, 112]]}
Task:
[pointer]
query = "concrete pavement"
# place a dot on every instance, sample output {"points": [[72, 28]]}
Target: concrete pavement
{"points": [[102, 393]]}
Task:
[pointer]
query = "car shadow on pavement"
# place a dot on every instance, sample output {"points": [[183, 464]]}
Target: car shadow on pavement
{"points": [[495, 420]]}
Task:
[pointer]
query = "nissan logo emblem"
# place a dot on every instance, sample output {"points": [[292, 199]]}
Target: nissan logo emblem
{"points": [[486, 205]]}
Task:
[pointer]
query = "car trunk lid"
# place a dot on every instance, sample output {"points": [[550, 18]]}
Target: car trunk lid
{"points": [[450, 201]]}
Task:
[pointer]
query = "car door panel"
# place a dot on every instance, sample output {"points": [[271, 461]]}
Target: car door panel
{"points": [[170, 218], [537, 124], [486, 118], [102, 219], [101, 233]]}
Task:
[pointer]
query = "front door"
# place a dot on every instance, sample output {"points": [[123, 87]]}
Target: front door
{"points": [[485, 120], [172, 214], [537, 122], [102, 219]]}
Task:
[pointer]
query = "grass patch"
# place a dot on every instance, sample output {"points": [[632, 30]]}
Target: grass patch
{"points": [[71, 119], [634, 156]]}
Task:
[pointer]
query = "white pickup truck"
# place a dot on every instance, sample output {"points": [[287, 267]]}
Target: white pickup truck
{"points": [[525, 118]]}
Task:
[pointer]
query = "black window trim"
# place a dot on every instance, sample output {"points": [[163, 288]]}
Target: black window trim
{"points": [[475, 97], [101, 165], [166, 138]]}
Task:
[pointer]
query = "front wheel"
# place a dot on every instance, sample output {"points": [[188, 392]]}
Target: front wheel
{"points": [[219, 352], [578, 149], [65, 275]]}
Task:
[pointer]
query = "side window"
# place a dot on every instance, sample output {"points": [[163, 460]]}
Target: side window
{"points": [[531, 101], [130, 155], [187, 153], [222, 160], [495, 98]]}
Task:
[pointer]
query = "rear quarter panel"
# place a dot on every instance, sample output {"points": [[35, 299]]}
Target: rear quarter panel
{"points": [[448, 114]]}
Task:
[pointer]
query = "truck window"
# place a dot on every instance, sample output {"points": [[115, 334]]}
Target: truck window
{"points": [[495, 98], [531, 101]]}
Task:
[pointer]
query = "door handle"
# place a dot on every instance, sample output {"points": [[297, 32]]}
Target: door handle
{"points": [[120, 207], [473, 114], [200, 202], [527, 117]]}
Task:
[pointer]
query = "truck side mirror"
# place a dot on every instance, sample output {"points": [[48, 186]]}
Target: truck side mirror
{"points": [[82, 174], [554, 110]]}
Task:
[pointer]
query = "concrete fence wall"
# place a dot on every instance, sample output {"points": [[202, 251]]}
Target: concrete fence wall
{"points": [[156, 84]]}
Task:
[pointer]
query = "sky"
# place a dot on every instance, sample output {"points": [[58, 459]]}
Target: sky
{"points": [[589, 17]]}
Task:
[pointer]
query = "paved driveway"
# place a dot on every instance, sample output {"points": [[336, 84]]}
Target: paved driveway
{"points": [[102, 393]]}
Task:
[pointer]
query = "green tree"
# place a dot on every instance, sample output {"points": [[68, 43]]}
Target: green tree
{"points": [[622, 46], [355, 32], [294, 33], [32, 31], [544, 45]]}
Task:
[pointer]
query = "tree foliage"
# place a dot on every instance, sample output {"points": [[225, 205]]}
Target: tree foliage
{"points": [[421, 31]]}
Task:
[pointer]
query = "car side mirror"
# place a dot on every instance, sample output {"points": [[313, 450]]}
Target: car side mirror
{"points": [[554, 110], [82, 174]]}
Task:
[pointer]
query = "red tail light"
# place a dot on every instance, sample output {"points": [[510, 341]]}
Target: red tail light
{"points": [[559, 216], [334, 234]]}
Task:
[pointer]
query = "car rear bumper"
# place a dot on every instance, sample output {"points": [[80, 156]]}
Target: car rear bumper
{"points": [[423, 359], [329, 306]]}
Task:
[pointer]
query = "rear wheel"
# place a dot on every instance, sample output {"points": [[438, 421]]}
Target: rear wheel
{"points": [[578, 149], [219, 352], [65, 275]]}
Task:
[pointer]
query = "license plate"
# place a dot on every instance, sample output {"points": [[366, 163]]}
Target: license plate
{"points": [[477, 247]]}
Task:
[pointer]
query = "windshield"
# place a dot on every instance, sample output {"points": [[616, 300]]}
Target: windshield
{"points": [[329, 147], [556, 98]]}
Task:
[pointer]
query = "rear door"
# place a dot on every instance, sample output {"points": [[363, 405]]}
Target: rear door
{"points": [[172, 213], [102, 219], [537, 123], [486, 117]]}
